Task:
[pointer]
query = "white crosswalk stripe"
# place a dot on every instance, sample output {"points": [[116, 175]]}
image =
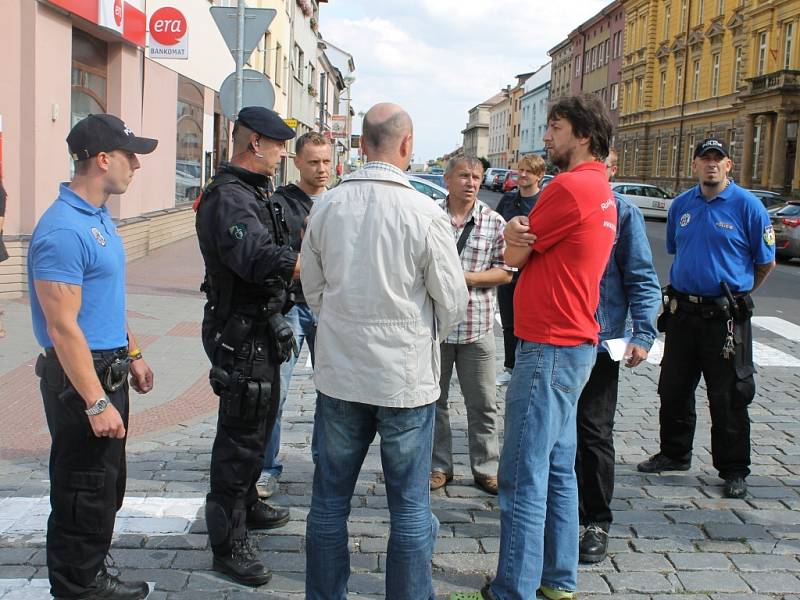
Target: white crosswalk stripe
{"points": [[780, 326]]}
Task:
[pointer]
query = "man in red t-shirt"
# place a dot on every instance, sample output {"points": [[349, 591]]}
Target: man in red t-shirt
{"points": [[563, 245]]}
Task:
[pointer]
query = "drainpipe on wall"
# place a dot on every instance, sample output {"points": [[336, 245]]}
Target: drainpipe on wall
{"points": [[679, 159]]}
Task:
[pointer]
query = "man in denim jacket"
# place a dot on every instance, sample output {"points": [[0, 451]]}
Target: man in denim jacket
{"points": [[630, 297]]}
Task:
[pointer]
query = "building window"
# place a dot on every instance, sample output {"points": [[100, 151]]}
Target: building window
{"points": [[657, 164], [640, 93], [678, 84], [89, 76], [673, 159], [788, 35], [628, 97], [683, 16], [762, 53], [662, 90], [756, 150], [720, 7], [278, 62], [667, 13], [625, 158], [614, 95], [189, 147], [577, 66], [696, 80], [635, 157], [689, 155], [737, 67], [700, 10], [714, 75], [299, 63]]}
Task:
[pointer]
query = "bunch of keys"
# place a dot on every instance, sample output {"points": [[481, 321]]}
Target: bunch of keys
{"points": [[729, 349]]}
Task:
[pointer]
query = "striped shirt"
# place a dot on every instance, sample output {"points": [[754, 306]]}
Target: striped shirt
{"points": [[483, 251]]}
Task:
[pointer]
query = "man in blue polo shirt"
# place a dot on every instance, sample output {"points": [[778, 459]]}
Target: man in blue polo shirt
{"points": [[76, 278], [724, 249]]}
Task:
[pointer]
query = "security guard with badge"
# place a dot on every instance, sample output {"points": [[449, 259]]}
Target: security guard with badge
{"points": [[724, 249], [244, 242]]}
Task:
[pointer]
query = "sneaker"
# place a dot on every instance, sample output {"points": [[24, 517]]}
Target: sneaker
{"points": [[659, 462], [439, 480], [593, 545], [264, 516], [735, 487], [503, 377], [266, 485], [556, 594], [488, 484], [242, 565]]}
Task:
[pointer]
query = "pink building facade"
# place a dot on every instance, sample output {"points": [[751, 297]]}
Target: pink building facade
{"points": [[63, 59]]}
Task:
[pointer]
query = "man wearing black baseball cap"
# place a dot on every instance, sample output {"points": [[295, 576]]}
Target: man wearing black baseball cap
{"points": [[76, 278], [249, 264], [724, 249]]}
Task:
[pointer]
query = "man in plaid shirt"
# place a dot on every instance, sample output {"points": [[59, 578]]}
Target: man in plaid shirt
{"points": [[478, 233]]}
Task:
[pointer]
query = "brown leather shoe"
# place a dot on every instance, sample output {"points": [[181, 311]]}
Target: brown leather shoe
{"points": [[439, 479], [487, 484]]}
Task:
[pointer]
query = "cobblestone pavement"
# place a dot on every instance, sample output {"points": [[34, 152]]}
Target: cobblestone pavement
{"points": [[674, 536]]}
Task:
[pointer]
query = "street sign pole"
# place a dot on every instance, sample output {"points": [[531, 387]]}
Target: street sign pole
{"points": [[240, 6]]}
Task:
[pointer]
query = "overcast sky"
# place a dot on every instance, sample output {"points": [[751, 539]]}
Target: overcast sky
{"points": [[439, 58]]}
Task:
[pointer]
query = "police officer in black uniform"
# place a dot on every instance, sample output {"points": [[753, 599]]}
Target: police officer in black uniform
{"points": [[249, 265]]}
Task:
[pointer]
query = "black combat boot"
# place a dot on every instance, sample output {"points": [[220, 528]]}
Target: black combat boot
{"points": [[109, 587], [261, 515], [242, 565]]}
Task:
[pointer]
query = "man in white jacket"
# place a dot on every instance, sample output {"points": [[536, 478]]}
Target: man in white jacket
{"points": [[380, 269]]}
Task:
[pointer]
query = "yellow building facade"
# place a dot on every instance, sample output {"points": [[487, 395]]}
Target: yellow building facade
{"points": [[699, 68]]}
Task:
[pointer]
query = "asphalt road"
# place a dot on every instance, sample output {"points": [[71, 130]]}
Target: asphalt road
{"points": [[778, 297]]}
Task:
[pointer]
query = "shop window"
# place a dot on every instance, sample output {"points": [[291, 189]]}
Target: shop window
{"points": [[189, 149], [89, 76]]}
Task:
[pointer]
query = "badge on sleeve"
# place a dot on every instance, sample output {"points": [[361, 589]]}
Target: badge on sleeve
{"points": [[769, 235], [238, 231], [99, 236], [685, 218]]}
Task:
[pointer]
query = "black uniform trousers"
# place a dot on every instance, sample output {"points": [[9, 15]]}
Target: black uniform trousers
{"points": [[505, 302], [236, 459], [594, 460], [693, 347], [87, 484]]}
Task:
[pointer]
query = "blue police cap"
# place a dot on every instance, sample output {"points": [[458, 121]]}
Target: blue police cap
{"points": [[266, 122]]}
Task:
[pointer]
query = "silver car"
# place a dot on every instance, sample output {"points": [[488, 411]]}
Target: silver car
{"points": [[428, 188], [786, 224], [651, 199], [488, 177]]}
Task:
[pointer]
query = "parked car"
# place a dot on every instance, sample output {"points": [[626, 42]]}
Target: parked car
{"points": [[436, 192], [653, 201], [436, 178], [497, 181], [488, 177], [786, 223], [511, 181], [436, 171], [545, 180], [768, 198]]}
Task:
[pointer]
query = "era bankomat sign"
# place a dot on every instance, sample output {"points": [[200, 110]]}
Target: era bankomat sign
{"points": [[168, 34]]}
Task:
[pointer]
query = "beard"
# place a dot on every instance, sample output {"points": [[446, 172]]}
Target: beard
{"points": [[561, 159]]}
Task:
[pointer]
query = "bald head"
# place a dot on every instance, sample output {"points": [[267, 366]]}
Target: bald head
{"points": [[385, 129]]}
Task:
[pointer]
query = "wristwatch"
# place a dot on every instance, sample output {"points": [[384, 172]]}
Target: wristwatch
{"points": [[97, 407]]}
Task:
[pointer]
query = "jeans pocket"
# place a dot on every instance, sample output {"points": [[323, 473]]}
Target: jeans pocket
{"points": [[571, 368], [79, 500]]}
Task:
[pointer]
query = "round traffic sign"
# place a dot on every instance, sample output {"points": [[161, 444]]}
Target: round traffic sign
{"points": [[256, 91]]}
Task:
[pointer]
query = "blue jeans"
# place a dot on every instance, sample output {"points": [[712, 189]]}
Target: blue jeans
{"points": [[538, 490], [344, 432], [304, 326]]}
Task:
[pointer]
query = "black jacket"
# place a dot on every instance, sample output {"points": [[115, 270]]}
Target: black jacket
{"points": [[296, 206]]}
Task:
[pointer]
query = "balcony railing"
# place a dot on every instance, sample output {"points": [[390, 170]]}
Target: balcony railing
{"points": [[777, 81]]}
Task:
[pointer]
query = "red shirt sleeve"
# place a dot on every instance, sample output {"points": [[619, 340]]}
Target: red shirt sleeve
{"points": [[553, 217]]}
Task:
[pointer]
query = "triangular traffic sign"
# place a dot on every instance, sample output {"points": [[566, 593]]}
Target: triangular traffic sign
{"points": [[256, 22]]}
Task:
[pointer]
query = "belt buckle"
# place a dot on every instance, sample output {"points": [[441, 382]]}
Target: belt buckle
{"points": [[695, 299]]}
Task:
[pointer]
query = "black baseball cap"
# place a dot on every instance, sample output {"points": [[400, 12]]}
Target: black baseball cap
{"points": [[266, 122], [104, 133], [709, 144]]}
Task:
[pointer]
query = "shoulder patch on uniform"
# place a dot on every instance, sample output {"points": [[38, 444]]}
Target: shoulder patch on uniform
{"points": [[769, 235], [238, 231], [98, 236]]}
